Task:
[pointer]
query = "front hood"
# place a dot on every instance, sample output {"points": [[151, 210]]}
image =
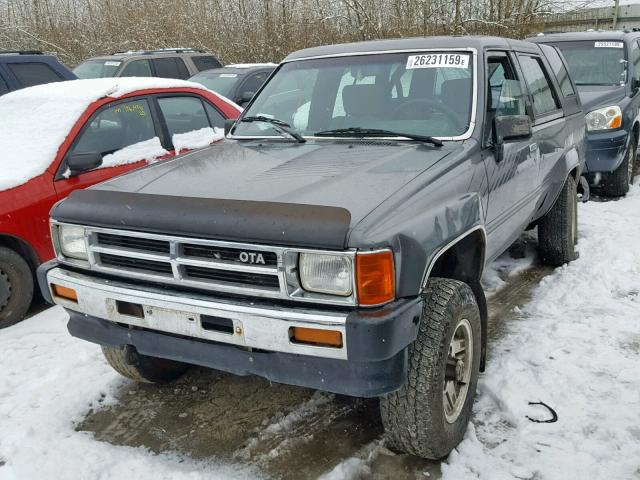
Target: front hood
{"points": [[596, 96], [354, 175]]}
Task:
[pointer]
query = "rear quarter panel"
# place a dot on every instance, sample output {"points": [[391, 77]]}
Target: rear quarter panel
{"points": [[24, 214]]}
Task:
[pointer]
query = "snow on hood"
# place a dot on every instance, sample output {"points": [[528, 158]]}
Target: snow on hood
{"points": [[35, 121]]}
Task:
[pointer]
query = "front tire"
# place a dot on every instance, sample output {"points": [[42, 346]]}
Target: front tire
{"points": [[16, 287], [558, 229], [616, 183], [428, 416], [129, 363]]}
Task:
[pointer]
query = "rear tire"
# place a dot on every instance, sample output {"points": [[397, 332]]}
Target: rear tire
{"points": [[421, 418], [16, 287], [616, 183], [129, 363], [558, 229]]}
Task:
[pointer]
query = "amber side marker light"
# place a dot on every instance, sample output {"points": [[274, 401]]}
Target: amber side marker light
{"points": [[65, 293], [616, 122], [375, 277], [315, 336]]}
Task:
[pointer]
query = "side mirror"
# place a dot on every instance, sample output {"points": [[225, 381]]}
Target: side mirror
{"points": [[245, 98], [81, 162], [510, 128], [635, 85], [228, 125]]}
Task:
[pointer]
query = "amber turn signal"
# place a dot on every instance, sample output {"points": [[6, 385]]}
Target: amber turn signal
{"points": [[315, 336], [375, 277], [616, 122], [65, 293]]}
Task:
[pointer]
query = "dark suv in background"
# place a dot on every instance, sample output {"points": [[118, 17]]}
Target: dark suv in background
{"points": [[179, 63], [238, 82], [20, 69], [606, 69]]}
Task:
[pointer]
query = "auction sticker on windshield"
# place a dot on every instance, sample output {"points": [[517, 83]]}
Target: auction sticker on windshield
{"points": [[436, 60], [609, 45]]}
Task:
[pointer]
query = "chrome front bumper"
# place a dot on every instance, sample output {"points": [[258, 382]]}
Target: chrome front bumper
{"points": [[179, 313]]}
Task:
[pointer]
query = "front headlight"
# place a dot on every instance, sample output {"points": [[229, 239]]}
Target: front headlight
{"points": [[323, 273], [71, 241], [604, 118]]}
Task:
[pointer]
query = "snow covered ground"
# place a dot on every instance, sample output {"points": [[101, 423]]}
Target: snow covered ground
{"points": [[575, 346]]}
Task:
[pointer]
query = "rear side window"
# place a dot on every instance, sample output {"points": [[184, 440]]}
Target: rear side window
{"points": [[254, 82], [215, 117], [635, 60], [137, 68], [29, 74], [170, 67], [558, 69], [205, 62], [183, 114], [4, 88], [541, 91]]}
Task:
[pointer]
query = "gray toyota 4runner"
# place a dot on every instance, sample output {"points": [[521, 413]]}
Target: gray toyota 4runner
{"points": [[337, 238]]}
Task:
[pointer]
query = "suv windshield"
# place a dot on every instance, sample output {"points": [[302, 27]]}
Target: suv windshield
{"points": [[222, 83], [428, 93], [595, 62], [97, 68]]}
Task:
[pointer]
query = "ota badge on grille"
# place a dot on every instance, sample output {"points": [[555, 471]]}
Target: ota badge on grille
{"points": [[251, 257]]}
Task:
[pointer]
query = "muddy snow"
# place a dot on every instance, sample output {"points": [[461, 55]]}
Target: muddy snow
{"points": [[568, 337]]}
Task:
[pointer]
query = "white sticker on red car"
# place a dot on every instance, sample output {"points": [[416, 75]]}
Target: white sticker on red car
{"points": [[609, 45], [438, 60]]}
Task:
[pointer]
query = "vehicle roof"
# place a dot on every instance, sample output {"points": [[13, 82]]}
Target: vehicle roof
{"points": [[589, 35], [251, 65], [41, 57], [415, 43], [240, 70], [121, 56]]}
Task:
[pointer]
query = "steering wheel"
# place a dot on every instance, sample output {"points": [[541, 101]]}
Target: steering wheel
{"points": [[417, 106]]}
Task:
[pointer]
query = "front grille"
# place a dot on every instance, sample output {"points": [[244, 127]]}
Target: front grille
{"points": [[228, 254], [243, 278], [207, 264], [136, 243], [137, 264]]}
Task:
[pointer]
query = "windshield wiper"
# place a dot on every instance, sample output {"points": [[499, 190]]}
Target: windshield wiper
{"points": [[364, 132], [280, 126]]}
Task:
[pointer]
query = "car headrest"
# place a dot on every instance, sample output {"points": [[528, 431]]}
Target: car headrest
{"points": [[363, 100], [456, 94]]}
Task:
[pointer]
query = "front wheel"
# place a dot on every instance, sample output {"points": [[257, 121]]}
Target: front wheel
{"points": [[616, 183], [16, 287], [558, 229], [428, 416], [129, 363]]}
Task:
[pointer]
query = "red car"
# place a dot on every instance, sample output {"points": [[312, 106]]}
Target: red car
{"points": [[56, 138]]}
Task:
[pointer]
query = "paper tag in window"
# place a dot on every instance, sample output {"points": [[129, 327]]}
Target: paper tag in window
{"points": [[228, 75], [609, 45], [109, 63], [438, 60]]}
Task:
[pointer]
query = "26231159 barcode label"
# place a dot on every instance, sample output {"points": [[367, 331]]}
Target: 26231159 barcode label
{"points": [[438, 60]]}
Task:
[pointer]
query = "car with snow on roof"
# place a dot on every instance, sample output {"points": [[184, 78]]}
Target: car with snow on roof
{"points": [[336, 238], [60, 137], [605, 66]]}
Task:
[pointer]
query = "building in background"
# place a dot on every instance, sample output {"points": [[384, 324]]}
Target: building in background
{"points": [[597, 18]]}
